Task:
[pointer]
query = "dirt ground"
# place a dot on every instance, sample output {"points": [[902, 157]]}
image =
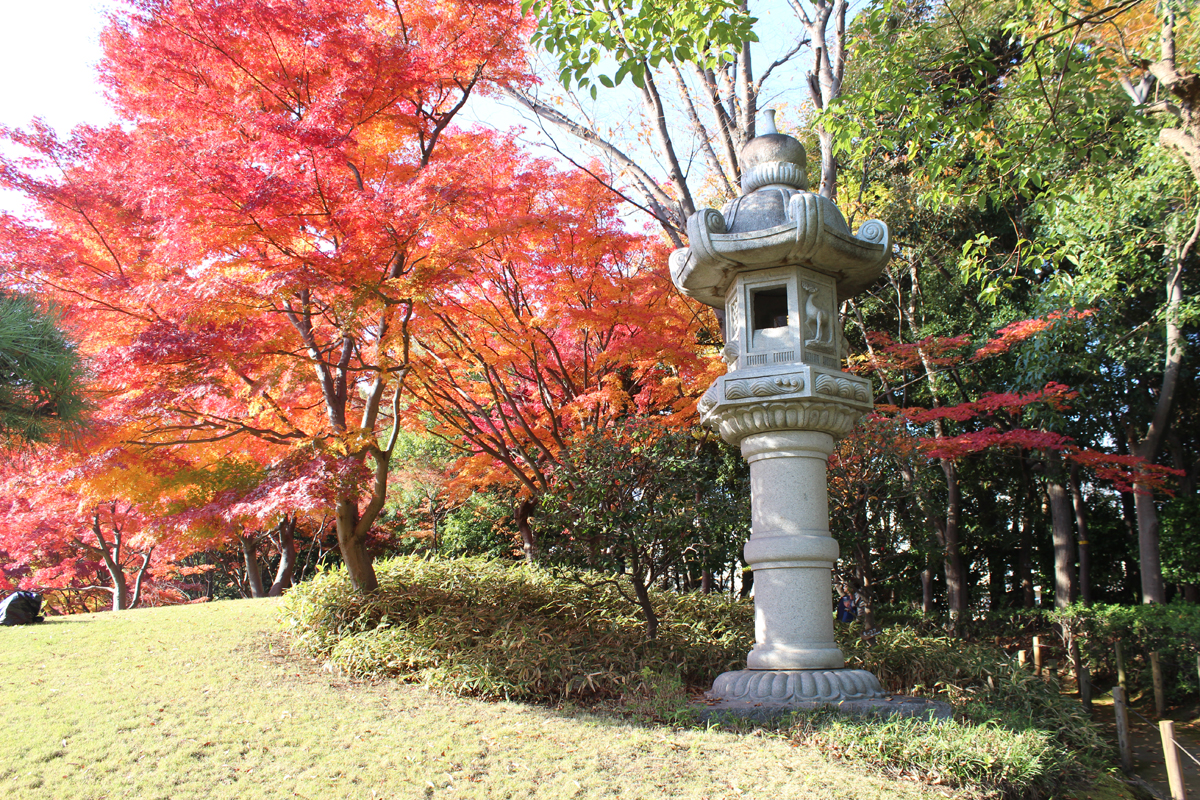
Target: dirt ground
{"points": [[1148, 760]]}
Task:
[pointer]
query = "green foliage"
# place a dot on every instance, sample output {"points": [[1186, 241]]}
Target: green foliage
{"points": [[1153, 626], [987, 757], [1180, 540], [41, 375], [643, 502], [981, 681], [587, 35], [972, 104], [420, 473], [1172, 629], [482, 525], [487, 629]]}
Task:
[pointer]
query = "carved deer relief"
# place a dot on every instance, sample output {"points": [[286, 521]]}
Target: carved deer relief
{"points": [[818, 327]]}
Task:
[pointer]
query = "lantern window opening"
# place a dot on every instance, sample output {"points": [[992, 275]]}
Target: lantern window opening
{"points": [[769, 308]]}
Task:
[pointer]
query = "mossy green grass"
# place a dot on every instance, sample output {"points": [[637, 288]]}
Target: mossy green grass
{"points": [[204, 701]]}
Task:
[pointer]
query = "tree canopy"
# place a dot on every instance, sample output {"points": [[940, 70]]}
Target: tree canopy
{"points": [[322, 318]]}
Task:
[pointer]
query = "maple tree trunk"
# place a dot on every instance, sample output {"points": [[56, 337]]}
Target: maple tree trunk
{"points": [[112, 563], [250, 562], [287, 557], [353, 546], [141, 575], [120, 592], [864, 579]]}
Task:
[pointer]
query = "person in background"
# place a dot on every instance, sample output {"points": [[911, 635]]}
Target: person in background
{"points": [[845, 606]]}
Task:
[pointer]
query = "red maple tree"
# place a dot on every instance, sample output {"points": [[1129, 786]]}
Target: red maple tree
{"points": [[244, 257]]}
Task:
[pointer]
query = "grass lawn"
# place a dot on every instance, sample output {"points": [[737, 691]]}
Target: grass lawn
{"points": [[201, 702]]}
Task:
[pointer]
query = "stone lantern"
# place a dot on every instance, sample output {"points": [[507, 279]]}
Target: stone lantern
{"points": [[779, 260]]}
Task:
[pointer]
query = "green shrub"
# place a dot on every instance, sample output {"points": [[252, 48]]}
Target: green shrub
{"points": [[981, 681], [491, 629], [1173, 629], [482, 526], [986, 757]]}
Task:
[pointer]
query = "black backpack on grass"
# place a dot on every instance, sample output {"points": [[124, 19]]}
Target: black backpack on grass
{"points": [[21, 608]]}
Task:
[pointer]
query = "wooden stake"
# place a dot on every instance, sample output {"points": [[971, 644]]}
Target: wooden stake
{"points": [[1081, 675], [1021, 660], [1122, 728], [1166, 729], [1160, 703], [1121, 666], [1037, 656]]}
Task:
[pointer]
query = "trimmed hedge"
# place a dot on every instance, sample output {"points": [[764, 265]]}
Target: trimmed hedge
{"points": [[491, 629]]}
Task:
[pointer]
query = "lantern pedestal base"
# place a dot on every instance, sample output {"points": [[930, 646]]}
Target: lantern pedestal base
{"points": [[768, 696], [788, 686]]}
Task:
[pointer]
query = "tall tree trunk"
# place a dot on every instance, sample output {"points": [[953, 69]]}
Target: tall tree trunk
{"points": [[1176, 93], [287, 557], [1060, 525], [253, 568], [947, 531], [927, 586], [1133, 571], [1185, 141], [1025, 557], [825, 78], [1154, 590], [956, 568], [1081, 525]]}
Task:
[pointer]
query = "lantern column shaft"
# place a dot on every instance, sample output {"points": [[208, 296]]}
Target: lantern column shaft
{"points": [[791, 551]]}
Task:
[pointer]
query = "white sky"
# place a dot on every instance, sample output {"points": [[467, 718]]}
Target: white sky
{"points": [[47, 53]]}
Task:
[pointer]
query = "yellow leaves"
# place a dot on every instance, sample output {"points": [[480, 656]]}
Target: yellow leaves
{"points": [[355, 441]]}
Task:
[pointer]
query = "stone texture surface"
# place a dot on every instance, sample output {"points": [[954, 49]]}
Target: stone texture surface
{"points": [[779, 259], [782, 686], [790, 550], [811, 232], [882, 707]]}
